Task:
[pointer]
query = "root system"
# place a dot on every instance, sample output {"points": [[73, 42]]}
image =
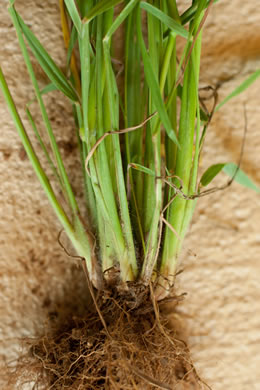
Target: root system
{"points": [[131, 346]]}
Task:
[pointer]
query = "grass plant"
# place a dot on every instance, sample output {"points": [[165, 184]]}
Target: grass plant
{"points": [[141, 186], [140, 146]]}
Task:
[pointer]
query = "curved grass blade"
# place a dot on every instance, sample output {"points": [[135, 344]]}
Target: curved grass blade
{"points": [[48, 65], [74, 229], [189, 14], [142, 169], [99, 8], [241, 177], [73, 12], [122, 198], [241, 88], [210, 174], [72, 42], [154, 86], [63, 174], [165, 19], [45, 90], [232, 170], [44, 149], [121, 17], [49, 88], [33, 157]]}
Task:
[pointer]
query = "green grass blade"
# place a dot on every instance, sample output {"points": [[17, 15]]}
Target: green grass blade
{"points": [[154, 86], [210, 174], [66, 184], [181, 210], [44, 91], [49, 88], [101, 7], [134, 112], [33, 157], [183, 169], [89, 192], [231, 169], [142, 169], [108, 251], [73, 12], [44, 149], [153, 187], [165, 19], [48, 65], [121, 17], [191, 203], [128, 266], [102, 206], [189, 14], [72, 43], [85, 6], [241, 88]]}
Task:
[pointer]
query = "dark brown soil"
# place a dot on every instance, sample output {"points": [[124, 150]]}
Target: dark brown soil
{"points": [[127, 345]]}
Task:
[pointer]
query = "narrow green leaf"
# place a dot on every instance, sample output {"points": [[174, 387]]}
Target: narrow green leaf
{"points": [[230, 169], [84, 6], [165, 19], [241, 177], [48, 65], [189, 14], [70, 195], [73, 12], [210, 173], [47, 89], [143, 169], [44, 148], [33, 156], [154, 85], [241, 88], [72, 42], [75, 232], [121, 17], [101, 7]]}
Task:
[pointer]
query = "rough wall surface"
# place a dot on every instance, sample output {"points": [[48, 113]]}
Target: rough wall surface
{"points": [[223, 303]]}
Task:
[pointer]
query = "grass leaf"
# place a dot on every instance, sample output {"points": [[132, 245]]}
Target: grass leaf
{"points": [[72, 42], [48, 65], [73, 12], [44, 148], [189, 14], [63, 174], [165, 19], [101, 7], [230, 169], [154, 86], [33, 156], [45, 90], [121, 17], [241, 177], [210, 173], [143, 169], [241, 88]]}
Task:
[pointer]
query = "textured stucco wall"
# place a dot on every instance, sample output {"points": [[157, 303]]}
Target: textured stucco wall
{"points": [[223, 304]]}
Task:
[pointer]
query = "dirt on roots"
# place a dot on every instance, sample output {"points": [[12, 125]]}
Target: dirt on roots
{"points": [[129, 344]]}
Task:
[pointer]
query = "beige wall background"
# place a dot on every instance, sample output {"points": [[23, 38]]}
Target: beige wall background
{"points": [[222, 281]]}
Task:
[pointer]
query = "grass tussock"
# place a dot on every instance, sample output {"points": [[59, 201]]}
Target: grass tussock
{"points": [[141, 124]]}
